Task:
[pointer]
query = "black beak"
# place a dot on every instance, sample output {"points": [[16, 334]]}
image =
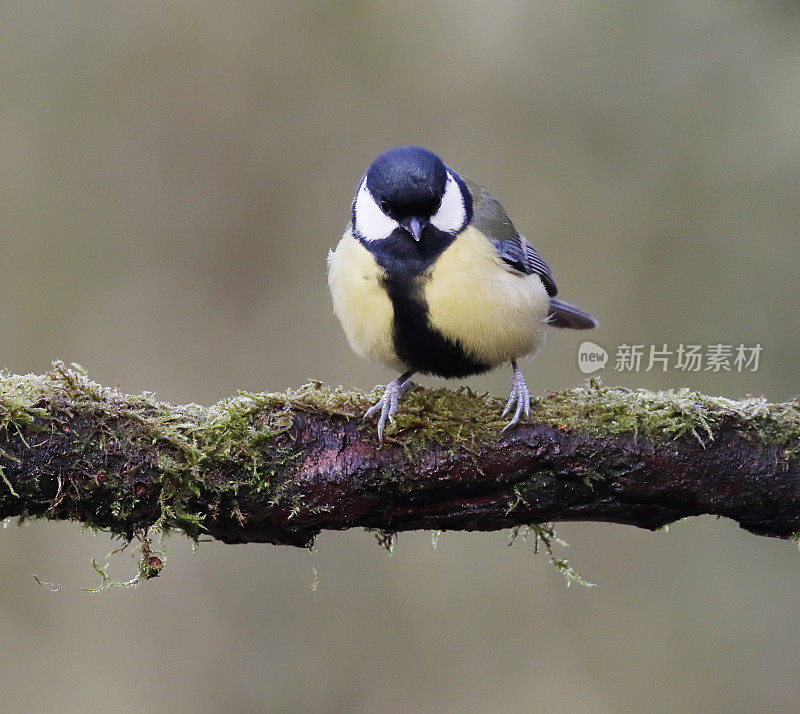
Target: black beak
{"points": [[414, 226]]}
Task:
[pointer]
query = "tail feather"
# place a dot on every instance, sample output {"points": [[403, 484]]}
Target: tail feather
{"points": [[562, 314]]}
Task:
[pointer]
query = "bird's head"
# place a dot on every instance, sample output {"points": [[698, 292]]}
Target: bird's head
{"points": [[406, 190]]}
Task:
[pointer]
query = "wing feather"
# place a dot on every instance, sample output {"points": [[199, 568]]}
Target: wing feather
{"points": [[519, 256], [490, 218]]}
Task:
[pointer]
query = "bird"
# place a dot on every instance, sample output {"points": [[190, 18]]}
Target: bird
{"points": [[432, 277]]}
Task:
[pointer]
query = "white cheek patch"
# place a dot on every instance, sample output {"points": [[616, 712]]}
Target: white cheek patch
{"points": [[452, 214], [371, 223]]}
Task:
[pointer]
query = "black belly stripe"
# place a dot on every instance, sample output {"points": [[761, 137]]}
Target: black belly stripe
{"points": [[419, 345], [416, 343]]}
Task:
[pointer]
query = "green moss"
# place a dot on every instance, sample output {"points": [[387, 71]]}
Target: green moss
{"points": [[452, 418], [240, 433], [18, 397], [544, 535], [441, 416], [199, 449], [674, 413], [315, 397], [461, 417], [17, 411]]}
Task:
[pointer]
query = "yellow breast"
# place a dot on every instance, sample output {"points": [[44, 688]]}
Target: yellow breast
{"points": [[361, 302], [494, 314]]}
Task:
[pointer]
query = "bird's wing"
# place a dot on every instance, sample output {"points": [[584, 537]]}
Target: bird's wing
{"points": [[519, 256]]}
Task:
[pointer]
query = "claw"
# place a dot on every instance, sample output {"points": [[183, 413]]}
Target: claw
{"points": [[386, 406], [520, 398]]}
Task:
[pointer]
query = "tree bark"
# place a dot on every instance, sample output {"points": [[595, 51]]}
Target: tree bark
{"points": [[282, 468]]}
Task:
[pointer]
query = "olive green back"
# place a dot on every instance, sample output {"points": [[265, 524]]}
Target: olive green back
{"points": [[488, 214]]}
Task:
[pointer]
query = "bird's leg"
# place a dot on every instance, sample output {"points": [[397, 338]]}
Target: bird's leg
{"points": [[387, 404], [520, 396]]}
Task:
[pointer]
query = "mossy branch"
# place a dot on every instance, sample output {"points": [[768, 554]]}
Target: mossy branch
{"points": [[280, 468]]}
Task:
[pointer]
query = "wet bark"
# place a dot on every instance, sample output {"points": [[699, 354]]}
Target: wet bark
{"points": [[102, 462]]}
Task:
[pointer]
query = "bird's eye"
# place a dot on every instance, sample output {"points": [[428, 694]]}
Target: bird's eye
{"points": [[385, 206]]}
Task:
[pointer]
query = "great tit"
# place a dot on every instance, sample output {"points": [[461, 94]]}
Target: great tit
{"points": [[431, 276]]}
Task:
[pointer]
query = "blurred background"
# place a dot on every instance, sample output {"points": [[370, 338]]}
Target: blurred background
{"points": [[172, 177]]}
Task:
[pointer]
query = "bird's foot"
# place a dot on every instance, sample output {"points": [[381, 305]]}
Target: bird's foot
{"points": [[520, 397], [386, 406]]}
